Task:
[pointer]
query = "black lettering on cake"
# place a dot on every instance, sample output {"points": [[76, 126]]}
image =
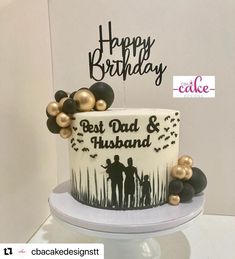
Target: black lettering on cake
{"points": [[153, 125], [101, 143], [90, 128], [118, 126]]}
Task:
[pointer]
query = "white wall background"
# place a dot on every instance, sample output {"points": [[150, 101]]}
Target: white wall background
{"points": [[27, 150], [195, 37]]}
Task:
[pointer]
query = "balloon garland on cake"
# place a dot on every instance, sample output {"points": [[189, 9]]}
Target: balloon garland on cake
{"points": [[98, 97], [187, 181]]}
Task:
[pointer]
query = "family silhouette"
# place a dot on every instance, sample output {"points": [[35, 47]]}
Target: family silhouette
{"points": [[115, 172]]}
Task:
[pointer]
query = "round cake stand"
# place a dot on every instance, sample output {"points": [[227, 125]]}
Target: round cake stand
{"points": [[125, 234]]}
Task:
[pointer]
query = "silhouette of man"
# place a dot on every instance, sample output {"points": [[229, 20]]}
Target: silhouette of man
{"points": [[116, 170]]}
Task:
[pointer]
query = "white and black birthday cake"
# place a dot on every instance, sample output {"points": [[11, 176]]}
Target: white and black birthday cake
{"points": [[122, 159]]}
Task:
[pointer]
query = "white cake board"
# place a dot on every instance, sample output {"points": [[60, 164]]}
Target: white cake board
{"points": [[126, 233]]}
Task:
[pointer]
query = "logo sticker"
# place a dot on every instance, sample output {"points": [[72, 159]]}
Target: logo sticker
{"points": [[193, 86]]}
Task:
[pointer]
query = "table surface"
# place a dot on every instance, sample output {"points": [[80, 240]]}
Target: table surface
{"points": [[210, 237]]}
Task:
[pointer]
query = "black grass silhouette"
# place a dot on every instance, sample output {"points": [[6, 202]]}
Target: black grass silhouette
{"points": [[85, 149], [100, 197], [167, 118], [93, 156], [75, 128], [166, 146], [80, 134], [174, 125], [80, 140]]}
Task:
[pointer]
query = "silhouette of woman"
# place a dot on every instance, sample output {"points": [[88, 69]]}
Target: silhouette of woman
{"points": [[129, 184]]}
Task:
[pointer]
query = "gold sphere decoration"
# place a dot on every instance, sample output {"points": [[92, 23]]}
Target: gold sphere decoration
{"points": [[61, 102], [85, 100], [101, 105], [65, 132], [53, 108], [178, 172], [174, 199], [63, 120], [189, 172], [185, 160]]}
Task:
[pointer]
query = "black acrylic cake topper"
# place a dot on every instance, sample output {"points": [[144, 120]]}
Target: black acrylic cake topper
{"points": [[136, 49]]}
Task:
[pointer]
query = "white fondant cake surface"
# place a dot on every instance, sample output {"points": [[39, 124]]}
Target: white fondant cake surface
{"points": [[121, 158]]}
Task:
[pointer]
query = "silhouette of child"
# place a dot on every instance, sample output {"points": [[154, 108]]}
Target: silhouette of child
{"points": [[107, 167], [146, 190]]}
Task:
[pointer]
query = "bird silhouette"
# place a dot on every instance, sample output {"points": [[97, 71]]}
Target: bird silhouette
{"points": [[161, 136], [167, 118]]}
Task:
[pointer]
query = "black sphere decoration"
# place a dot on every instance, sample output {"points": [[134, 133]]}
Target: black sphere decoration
{"points": [[198, 180], [60, 94], [69, 106], [72, 94], [52, 125], [187, 193], [175, 187], [103, 91]]}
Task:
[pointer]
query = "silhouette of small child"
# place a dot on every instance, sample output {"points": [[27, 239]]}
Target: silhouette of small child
{"points": [[146, 190], [107, 167]]}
